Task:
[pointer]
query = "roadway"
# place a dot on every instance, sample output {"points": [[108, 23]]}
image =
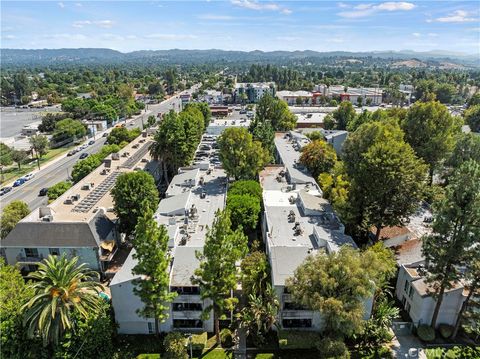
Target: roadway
{"points": [[60, 168]]}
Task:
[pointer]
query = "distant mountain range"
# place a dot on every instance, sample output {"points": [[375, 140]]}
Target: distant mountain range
{"points": [[47, 57]]}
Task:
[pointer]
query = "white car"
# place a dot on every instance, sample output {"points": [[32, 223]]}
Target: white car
{"points": [[28, 177]]}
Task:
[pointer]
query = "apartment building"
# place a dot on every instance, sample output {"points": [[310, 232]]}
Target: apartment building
{"points": [[192, 198], [81, 222], [368, 95], [293, 98], [414, 293], [252, 92], [297, 222]]}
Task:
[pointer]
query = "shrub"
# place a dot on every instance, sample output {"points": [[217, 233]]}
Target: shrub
{"points": [[291, 339], [226, 338], [250, 187], [445, 330], [199, 341], [332, 349], [426, 333], [175, 348], [57, 190]]}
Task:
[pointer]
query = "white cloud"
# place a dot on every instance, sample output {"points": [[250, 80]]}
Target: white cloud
{"points": [[9, 37], [255, 5], [416, 34], [363, 10], [112, 37], [78, 4], [215, 17], [432, 34], [61, 4], [106, 24], [170, 36], [342, 5], [68, 37], [457, 16]]}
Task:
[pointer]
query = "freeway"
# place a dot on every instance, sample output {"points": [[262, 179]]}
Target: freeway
{"points": [[60, 169]]}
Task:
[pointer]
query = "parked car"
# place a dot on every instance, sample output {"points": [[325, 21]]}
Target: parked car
{"points": [[83, 155], [5, 190], [28, 177], [71, 153], [105, 134], [243, 112], [91, 142], [43, 192], [18, 182]]}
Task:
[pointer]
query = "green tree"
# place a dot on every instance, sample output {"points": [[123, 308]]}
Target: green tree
{"points": [[472, 118], [61, 288], [130, 192], [466, 148], [153, 260], [19, 157], [445, 92], [107, 150], [204, 109], [318, 284], [335, 186], [262, 131], [58, 189], [68, 129], [39, 145], [174, 344], [385, 176], [318, 156], [217, 274], [456, 228], [49, 121], [255, 270], [12, 213], [244, 211], [241, 156], [121, 134], [359, 120], [329, 122], [249, 187], [315, 135], [276, 112], [343, 115], [431, 131], [13, 294], [84, 167], [474, 100], [5, 155], [104, 112]]}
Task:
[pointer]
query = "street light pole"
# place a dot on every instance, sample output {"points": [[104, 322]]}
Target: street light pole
{"points": [[190, 342]]}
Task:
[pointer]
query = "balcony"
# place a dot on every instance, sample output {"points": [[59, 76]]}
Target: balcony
{"points": [[108, 256], [297, 314], [29, 260], [186, 314]]}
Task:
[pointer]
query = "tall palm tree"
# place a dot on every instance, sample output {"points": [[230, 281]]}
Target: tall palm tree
{"points": [[61, 289]]}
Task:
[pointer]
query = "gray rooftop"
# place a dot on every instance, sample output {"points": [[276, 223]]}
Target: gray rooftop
{"points": [[185, 263], [125, 274], [182, 182]]}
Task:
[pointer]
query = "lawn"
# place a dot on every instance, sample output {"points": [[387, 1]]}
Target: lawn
{"points": [[13, 172]]}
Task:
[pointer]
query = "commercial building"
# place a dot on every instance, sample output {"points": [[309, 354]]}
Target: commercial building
{"points": [[81, 222], [368, 95], [192, 198], [415, 294], [293, 98], [252, 92], [297, 222]]}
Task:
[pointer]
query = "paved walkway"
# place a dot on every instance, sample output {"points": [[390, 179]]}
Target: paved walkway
{"points": [[407, 346]]}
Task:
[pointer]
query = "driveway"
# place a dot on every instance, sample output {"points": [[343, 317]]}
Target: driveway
{"points": [[405, 345]]}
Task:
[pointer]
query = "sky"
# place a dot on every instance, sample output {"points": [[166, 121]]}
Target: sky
{"points": [[243, 25]]}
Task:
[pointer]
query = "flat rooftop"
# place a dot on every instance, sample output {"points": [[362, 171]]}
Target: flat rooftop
{"points": [[288, 145], [81, 202]]}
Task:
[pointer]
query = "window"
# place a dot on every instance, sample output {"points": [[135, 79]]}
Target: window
{"points": [[150, 327], [187, 323], [194, 307], [407, 308], [186, 290], [31, 252], [297, 323], [404, 301], [293, 306], [54, 251], [410, 293], [407, 285]]}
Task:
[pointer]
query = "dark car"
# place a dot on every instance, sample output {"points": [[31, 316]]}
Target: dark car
{"points": [[5, 190], [43, 192], [18, 182], [83, 155], [91, 142]]}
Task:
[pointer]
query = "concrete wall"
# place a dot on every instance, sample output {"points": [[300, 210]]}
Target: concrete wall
{"points": [[87, 255]]}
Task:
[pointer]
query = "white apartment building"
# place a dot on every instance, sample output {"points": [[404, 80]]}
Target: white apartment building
{"points": [[293, 98], [192, 198], [81, 222], [297, 222], [252, 92], [415, 295], [372, 95]]}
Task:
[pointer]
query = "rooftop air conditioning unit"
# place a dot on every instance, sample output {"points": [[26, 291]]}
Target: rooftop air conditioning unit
{"points": [[48, 218]]}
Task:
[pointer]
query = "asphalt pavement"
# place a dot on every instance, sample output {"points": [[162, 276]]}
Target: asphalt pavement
{"points": [[60, 169]]}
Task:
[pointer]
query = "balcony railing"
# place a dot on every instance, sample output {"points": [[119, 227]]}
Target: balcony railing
{"points": [[186, 314], [29, 259], [108, 257], [307, 314]]}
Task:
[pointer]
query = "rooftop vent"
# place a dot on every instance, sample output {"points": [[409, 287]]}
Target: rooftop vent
{"points": [[48, 218]]}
